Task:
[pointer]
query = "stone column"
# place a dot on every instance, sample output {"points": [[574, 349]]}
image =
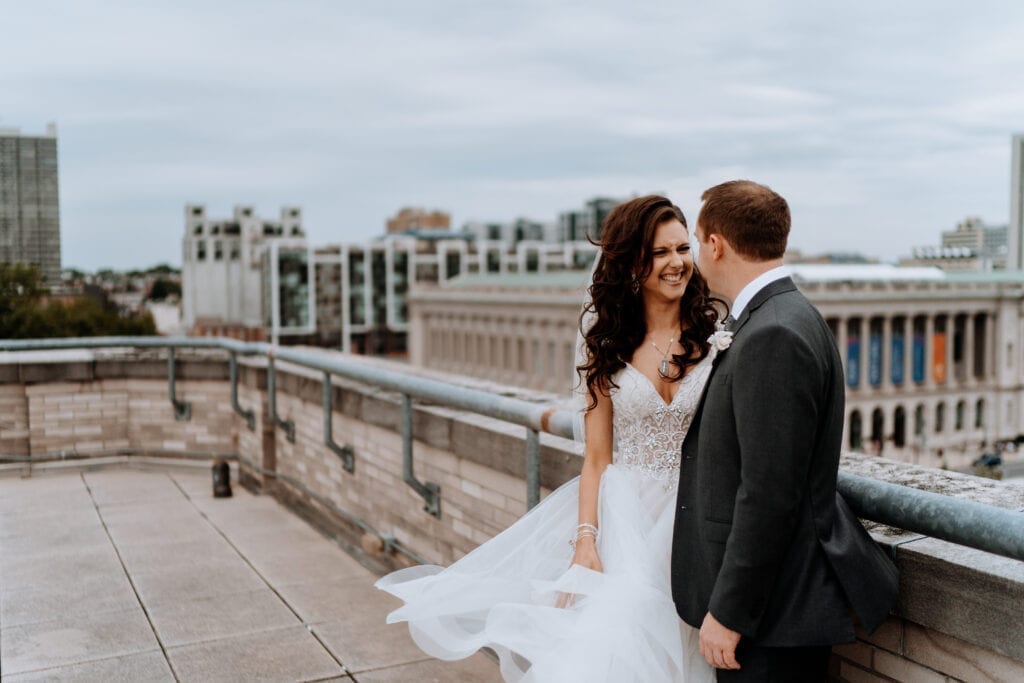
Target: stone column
{"points": [[969, 379], [841, 340], [950, 327], [887, 322], [865, 333], [991, 367], [929, 350]]}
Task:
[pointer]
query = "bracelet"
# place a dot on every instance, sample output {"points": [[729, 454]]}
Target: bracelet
{"points": [[583, 531]]}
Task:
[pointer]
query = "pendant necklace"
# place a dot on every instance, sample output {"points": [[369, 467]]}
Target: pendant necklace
{"points": [[663, 366]]}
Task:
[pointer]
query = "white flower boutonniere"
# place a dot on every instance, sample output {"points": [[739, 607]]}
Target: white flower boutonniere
{"points": [[720, 341]]}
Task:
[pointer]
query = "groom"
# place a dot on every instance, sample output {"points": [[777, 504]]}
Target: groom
{"points": [[767, 559]]}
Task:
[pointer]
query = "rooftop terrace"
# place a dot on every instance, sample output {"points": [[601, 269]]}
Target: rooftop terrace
{"points": [[129, 574], [121, 573]]}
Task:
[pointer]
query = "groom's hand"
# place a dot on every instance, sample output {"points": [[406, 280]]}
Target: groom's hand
{"points": [[718, 643]]}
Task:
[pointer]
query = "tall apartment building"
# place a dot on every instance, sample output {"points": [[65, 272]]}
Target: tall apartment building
{"points": [[247, 276], [578, 226], [29, 206]]}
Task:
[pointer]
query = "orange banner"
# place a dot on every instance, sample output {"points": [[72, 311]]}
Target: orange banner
{"points": [[939, 357]]}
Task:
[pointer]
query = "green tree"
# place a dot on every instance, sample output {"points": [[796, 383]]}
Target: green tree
{"points": [[25, 315], [162, 289]]}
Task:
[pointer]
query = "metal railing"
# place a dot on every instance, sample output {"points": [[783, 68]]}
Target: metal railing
{"points": [[963, 522]]}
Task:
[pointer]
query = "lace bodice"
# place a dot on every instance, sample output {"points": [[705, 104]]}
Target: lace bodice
{"points": [[648, 431]]}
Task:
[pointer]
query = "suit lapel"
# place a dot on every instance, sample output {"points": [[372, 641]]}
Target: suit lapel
{"points": [[771, 289]]}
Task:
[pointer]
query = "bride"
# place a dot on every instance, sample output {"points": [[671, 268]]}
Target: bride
{"points": [[578, 589]]}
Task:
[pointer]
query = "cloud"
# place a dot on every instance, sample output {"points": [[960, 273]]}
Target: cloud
{"points": [[883, 123]]}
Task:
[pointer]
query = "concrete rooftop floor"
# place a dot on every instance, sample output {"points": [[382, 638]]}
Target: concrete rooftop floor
{"points": [[126, 575]]}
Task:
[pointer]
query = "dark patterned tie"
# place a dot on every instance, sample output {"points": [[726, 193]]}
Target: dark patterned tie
{"points": [[729, 322]]}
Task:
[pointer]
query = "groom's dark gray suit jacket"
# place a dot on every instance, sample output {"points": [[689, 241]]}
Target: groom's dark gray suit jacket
{"points": [[762, 539]]}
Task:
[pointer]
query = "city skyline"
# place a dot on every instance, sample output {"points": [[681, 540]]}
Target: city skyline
{"points": [[881, 134]]}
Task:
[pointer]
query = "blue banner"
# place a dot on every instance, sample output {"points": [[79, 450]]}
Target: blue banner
{"points": [[896, 356], [852, 361], [875, 359], [918, 358]]}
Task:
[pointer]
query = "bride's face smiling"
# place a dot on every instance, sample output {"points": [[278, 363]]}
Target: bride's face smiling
{"points": [[671, 262]]}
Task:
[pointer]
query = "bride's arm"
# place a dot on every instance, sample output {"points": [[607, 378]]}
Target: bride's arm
{"points": [[596, 456]]}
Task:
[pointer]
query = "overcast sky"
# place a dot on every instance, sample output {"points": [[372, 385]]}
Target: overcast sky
{"points": [[883, 123]]}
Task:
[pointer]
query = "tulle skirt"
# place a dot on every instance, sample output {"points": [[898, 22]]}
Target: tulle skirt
{"points": [[621, 625]]}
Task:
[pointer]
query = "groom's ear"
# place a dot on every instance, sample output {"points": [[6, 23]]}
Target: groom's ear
{"points": [[717, 245]]}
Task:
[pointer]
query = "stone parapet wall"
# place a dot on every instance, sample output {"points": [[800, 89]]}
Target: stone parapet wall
{"points": [[959, 613], [90, 407]]}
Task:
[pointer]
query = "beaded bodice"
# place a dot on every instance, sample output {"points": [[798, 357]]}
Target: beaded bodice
{"points": [[649, 432]]}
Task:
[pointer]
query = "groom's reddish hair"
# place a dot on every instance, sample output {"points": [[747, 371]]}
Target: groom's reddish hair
{"points": [[751, 217]]}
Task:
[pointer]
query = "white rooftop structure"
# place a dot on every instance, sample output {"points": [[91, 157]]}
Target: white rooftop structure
{"points": [[864, 272]]}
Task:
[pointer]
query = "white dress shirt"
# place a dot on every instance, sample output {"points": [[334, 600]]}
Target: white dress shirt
{"points": [[754, 286]]}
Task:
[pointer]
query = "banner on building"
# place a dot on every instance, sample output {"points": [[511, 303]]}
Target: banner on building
{"points": [[875, 359], [853, 361], [939, 357], [896, 358], [918, 358]]}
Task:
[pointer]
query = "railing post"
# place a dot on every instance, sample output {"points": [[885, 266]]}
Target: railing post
{"points": [[287, 425], [346, 452], [429, 491], [182, 409], [249, 415], [532, 468]]}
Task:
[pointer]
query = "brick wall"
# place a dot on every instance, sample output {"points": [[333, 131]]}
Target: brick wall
{"points": [[901, 650]]}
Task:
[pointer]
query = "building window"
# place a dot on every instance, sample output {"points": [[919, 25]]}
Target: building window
{"points": [[235, 252], [493, 262], [532, 262], [877, 430], [979, 414], [197, 230], [201, 250], [899, 427], [961, 408], [218, 251], [855, 430], [919, 420], [940, 418]]}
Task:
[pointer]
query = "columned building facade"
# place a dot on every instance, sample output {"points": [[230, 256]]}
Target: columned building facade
{"points": [[933, 368], [934, 362], [518, 330]]}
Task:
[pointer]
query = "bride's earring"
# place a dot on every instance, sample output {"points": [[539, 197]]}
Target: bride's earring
{"points": [[635, 284]]}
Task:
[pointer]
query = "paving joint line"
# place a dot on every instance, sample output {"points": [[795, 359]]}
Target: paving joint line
{"points": [[128, 575], [309, 627], [80, 662]]}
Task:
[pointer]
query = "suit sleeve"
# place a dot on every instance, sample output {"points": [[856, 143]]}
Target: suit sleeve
{"points": [[776, 392]]}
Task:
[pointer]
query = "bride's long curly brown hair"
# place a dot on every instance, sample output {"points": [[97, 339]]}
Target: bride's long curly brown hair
{"points": [[625, 261]]}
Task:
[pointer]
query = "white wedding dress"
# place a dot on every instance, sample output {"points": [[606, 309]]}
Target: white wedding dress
{"points": [[622, 625]]}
